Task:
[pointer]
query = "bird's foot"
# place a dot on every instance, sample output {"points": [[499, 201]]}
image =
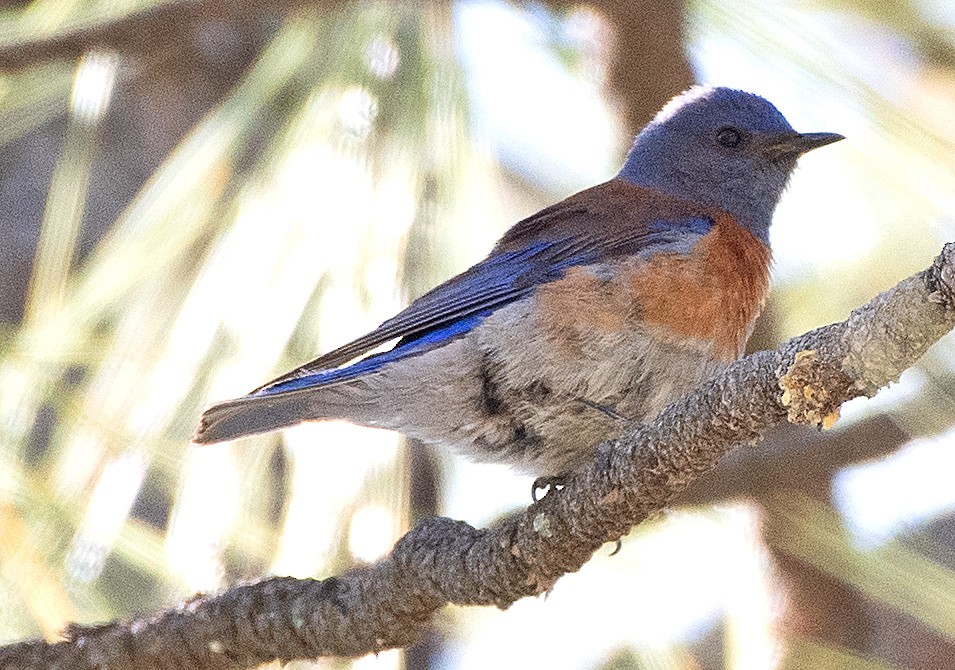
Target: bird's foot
{"points": [[547, 484]]}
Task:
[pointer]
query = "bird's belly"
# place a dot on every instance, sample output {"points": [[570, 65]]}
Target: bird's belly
{"points": [[510, 391], [567, 394]]}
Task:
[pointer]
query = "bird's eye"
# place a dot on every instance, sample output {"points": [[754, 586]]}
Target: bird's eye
{"points": [[729, 137]]}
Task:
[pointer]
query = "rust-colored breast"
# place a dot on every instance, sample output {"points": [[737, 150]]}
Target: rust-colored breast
{"points": [[714, 293]]}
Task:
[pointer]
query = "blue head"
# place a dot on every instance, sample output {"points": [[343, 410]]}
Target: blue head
{"points": [[721, 147]]}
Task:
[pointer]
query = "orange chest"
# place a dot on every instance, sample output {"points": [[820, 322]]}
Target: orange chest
{"points": [[713, 293]]}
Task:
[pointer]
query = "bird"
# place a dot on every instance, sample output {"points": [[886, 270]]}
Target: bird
{"points": [[600, 309]]}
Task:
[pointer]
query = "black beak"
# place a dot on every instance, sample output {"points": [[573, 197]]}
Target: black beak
{"points": [[796, 144]]}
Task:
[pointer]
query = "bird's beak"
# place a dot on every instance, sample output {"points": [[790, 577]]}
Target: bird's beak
{"points": [[796, 144]]}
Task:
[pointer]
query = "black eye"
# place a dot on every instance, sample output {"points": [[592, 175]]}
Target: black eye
{"points": [[729, 137]]}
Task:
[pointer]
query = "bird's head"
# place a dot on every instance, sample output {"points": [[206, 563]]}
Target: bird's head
{"points": [[721, 147]]}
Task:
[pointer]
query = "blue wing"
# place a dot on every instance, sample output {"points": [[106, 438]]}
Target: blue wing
{"points": [[578, 231]]}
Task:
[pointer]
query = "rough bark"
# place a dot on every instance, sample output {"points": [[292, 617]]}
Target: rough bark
{"points": [[390, 603]]}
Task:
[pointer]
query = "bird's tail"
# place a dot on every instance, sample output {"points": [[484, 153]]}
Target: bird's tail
{"points": [[251, 415]]}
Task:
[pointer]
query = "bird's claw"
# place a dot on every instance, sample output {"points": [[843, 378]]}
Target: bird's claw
{"points": [[547, 484]]}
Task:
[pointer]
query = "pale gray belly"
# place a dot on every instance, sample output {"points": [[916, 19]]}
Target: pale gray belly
{"points": [[506, 393]]}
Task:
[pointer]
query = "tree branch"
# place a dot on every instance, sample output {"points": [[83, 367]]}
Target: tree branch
{"points": [[388, 604]]}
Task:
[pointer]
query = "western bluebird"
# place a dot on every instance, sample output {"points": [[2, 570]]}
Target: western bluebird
{"points": [[610, 304]]}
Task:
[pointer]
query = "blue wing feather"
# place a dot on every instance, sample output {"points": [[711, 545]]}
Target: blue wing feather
{"points": [[375, 362], [507, 275]]}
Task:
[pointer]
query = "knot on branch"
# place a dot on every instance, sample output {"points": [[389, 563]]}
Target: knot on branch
{"points": [[813, 390]]}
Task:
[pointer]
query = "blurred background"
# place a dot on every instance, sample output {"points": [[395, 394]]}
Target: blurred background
{"points": [[195, 196]]}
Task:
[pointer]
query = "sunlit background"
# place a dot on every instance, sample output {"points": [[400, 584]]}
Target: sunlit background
{"points": [[196, 196]]}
